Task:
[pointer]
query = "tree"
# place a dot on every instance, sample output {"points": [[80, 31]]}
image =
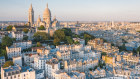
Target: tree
{"points": [[112, 44], [13, 39], [9, 28], [27, 50], [25, 30], [69, 40], [134, 51], [38, 44], [138, 49], [87, 37], [41, 27], [41, 37], [67, 31], [8, 63], [25, 38], [6, 41], [63, 35], [90, 69], [56, 41], [75, 36], [101, 65], [103, 54], [3, 53], [76, 42], [95, 67], [59, 34]]}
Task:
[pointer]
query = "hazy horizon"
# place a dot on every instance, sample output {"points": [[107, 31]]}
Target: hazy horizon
{"points": [[72, 10]]}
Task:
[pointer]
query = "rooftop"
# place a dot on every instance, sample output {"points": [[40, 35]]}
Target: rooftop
{"points": [[2, 57], [17, 68]]}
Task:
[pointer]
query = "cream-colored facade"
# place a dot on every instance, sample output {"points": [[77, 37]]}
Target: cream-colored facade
{"points": [[130, 59], [31, 16], [49, 24], [64, 55], [80, 65], [29, 59], [73, 75], [98, 73], [23, 44], [17, 72], [98, 44], [51, 67], [43, 51], [13, 51]]}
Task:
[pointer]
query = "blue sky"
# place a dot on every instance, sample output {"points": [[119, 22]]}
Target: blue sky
{"points": [[72, 10]]}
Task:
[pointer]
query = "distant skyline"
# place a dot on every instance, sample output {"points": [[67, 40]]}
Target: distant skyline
{"points": [[72, 10]]}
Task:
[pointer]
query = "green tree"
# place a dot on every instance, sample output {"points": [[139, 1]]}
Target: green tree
{"points": [[67, 31], [59, 34], [63, 35], [90, 69], [75, 36], [134, 51], [101, 65], [138, 49], [13, 39], [25, 38], [76, 42], [3, 53], [25, 30], [9, 28], [69, 40], [41, 27], [56, 41], [87, 37], [27, 50], [41, 37], [6, 41], [8, 63], [103, 54], [95, 67], [38, 44]]}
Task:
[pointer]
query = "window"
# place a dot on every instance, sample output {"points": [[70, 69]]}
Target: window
{"points": [[4, 74]]}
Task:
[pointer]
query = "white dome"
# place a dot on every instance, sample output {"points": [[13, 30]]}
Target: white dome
{"points": [[47, 13]]}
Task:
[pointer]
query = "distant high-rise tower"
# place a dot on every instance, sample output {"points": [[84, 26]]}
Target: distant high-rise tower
{"points": [[112, 23], [31, 16]]}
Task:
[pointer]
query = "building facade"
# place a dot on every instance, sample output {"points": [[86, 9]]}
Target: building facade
{"points": [[13, 51], [17, 72]]}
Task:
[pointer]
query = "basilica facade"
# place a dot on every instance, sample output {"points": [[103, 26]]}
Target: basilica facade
{"points": [[50, 24]]}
